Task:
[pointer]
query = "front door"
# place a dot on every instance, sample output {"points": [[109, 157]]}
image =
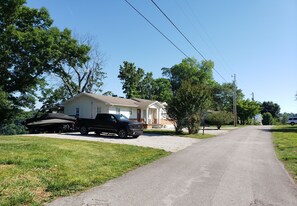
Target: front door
{"points": [[138, 115]]}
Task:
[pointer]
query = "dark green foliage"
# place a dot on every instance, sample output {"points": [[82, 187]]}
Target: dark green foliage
{"points": [[109, 93], [30, 48], [222, 97], [130, 78], [191, 84], [145, 86], [162, 90], [247, 109], [220, 118], [138, 84], [189, 68], [267, 119], [270, 107], [185, 107], [15, 124]]}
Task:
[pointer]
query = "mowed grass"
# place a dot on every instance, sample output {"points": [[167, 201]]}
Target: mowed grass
{"points": [[172, 133], [34, 170], [285, 141]]}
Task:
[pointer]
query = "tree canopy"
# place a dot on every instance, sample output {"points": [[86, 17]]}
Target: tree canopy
{"points": [[30, 49], [130, 78], [189, 68], [270, 107], [191, 83], [138, 84], [222, 96], [247, 109]]}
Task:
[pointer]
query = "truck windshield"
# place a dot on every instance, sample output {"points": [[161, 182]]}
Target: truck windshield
{"points": [[122, 117]]}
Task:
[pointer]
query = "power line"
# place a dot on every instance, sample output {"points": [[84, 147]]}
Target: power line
{"points": [[156, 28], [212, 44], [185, 37], [178, 29]]}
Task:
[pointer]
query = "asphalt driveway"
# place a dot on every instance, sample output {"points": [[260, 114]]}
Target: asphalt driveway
{"points": [[239, 168]]}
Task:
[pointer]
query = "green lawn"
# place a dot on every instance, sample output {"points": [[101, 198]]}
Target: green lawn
{"points": [[34, 170], [172, 133], [285, 141]]}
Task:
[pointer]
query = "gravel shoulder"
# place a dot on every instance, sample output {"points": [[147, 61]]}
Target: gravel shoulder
{"points": [[167, 143]]}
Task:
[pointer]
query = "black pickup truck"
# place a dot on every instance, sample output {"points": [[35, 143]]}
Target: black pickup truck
{"points": [[111, 123]]}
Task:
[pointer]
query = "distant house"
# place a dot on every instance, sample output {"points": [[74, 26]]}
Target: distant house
{"points": [[85, 105]]}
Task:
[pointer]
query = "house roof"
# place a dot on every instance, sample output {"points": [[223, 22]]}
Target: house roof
{"points": [[142, 103], [117, 101]]}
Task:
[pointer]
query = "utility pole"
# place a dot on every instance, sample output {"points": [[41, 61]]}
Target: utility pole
{"points": [[234, 101], [253, 96]]}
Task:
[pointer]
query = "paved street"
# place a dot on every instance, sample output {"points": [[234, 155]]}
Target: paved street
{"points": [[238, 168]]}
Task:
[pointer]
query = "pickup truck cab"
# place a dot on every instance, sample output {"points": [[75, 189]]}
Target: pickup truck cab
{"points": [[111, 123]]}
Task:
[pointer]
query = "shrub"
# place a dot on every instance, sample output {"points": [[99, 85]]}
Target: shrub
{"points": [[267, 119], [219, 118]]}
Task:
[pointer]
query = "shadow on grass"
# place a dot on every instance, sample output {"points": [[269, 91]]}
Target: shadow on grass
{"points": [[284, 129], [172, 133], [159, 132]]}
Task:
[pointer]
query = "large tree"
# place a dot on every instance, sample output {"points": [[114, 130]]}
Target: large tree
{"points": [[247, 109], [222, 96], [191, 82], [145, 86], [162, 90], [138, 84], [29, 48], [270, 107], [189, 68], [77, 77], [83, 76], [187, 104], [130, 77]]}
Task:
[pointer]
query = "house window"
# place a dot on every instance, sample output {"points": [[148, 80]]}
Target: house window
{"points": [[98, 110], [77, 113], [118, 111], [130, 111]]}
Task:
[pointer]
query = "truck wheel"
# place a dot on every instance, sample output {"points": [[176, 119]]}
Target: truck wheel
{"points": [[122, 133], [84, 130], [292, 123], [135, 136], [98, 132]]}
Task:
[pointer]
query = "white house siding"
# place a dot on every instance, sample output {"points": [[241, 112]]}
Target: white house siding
{"points": [[126, 111], [87, 107]]}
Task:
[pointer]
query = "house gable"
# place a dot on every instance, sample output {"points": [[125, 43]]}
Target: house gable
{"points": [[84, 106]]}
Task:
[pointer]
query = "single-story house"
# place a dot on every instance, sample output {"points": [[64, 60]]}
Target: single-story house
{"points": [[86, 105]]}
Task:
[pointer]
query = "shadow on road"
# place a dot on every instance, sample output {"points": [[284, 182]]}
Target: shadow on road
{"points": [[103, 136]]}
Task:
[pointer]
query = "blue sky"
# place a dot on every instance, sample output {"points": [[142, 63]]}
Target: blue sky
{"points": [[254, 39]]}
